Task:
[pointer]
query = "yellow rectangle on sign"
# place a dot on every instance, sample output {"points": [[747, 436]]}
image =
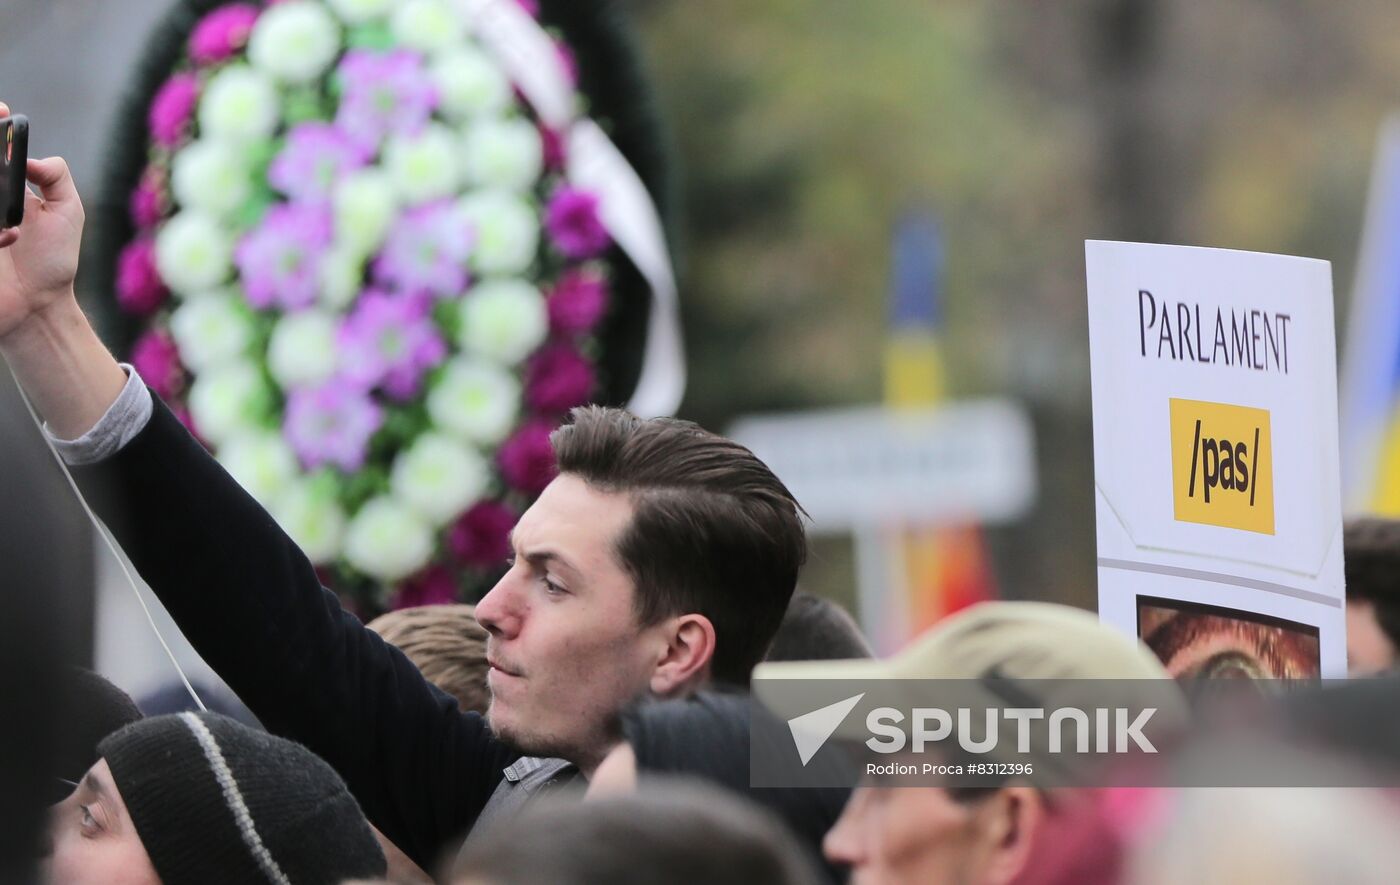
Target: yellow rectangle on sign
{"points": [[1222, 465]]}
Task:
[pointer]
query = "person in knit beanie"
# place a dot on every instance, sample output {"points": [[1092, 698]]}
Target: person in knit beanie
{"points": [[199, 799], [94, 708]]}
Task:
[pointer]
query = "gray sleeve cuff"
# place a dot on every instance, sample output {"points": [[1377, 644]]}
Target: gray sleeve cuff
{"points": [[125, 418]]}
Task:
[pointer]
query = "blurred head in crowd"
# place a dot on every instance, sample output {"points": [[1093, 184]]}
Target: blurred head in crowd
{"points": [[667, 832], [45, 588], [708, 736], [895, 833], [816, 629], [662, 556], [1284, 836], [96, 708], [446, 644], [1371, 547], [198, 799]]}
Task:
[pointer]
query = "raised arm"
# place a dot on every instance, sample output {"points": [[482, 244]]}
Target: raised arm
{"points": [[238, 587]]}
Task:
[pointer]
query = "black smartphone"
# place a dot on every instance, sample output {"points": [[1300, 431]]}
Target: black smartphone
{"points": [[14, 137]]}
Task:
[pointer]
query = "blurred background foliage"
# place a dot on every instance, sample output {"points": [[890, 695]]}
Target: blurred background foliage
{"points": [[803, 129]]}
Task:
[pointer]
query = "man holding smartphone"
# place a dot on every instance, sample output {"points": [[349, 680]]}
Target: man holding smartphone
{"points": [[661, 558]]}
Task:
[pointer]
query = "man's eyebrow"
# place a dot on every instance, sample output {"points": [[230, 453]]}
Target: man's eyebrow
{"points": [[545, 556], [95, 784]]}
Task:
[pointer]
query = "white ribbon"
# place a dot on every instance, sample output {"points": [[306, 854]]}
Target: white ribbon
{"points": [[530, 59]]}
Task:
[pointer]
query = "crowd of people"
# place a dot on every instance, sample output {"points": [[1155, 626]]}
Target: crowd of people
{"points": [[589, 719]]}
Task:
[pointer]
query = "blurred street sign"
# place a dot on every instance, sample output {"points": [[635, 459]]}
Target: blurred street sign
{"points": [[970, 460]]}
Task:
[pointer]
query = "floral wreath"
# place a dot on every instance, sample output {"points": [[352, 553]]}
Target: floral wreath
{"points": [[356, 263]]}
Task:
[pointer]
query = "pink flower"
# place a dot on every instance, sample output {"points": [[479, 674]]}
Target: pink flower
{"points": [[182, 414], [555, 152], [527, 459], [568, 60], [578, 301], [158, 363], [171, 109], [481, 536], [573, 224], [390, 341], [434, 585], [139, 286], [530, 6], [222, 32], [557, 379], [147, 200]]}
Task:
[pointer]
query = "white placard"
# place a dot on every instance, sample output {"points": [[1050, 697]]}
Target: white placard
{"points": [[1215, 456], [873, 466]]}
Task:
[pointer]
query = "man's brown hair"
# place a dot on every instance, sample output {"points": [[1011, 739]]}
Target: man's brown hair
{"points": [[713, 531], [1371, 554], [446, 644]]}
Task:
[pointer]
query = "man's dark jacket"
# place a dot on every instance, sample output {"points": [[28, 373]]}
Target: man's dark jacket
{"points": [[251, 604]]}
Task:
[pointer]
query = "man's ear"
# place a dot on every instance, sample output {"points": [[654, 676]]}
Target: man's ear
{"points": [[1009, 822], [685, 661]]}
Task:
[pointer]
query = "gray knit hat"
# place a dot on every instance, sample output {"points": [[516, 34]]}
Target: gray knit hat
{"points": [[216, 802]]}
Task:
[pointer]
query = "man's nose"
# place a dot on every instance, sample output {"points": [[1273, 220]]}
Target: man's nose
{"points": [[497, 612]]}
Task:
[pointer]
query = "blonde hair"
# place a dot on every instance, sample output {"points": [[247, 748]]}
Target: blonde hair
{"points": [[446, 644]]}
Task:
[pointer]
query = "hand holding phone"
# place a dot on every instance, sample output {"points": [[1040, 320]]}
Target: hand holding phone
{"points": [[14, 156]]}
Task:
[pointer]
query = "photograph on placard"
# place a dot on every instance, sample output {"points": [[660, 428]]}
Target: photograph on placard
{"points": [[1195, 640]]}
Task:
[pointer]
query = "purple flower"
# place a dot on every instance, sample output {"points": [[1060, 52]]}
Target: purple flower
{"points": [[557, 379], [278, 260], [383, 92], [390, 341], [572, 221], [481, 536], [140, 289], [158, 363], [182, 413], [331, 424], [427, 250], [315, 155], [556, 154], [530, 6], [222, 32], [434, 585], [147, 200], [568, 60], [527, 459], [171, 109], [578, 301]]}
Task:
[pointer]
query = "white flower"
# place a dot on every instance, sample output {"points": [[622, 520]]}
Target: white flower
{"points": [[294, 42], [507, 231], [438, 477], [227, 400], [365, 203], [212, 176], [193, 252], [310, 514], [239, 104], [503, 320], [428, 26], [475, 400], [342, 273], [502, 153], [469, 84], [212, 329], [302, 349], [261, 461], [387, 541], [423, 166], [357, 12]]}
